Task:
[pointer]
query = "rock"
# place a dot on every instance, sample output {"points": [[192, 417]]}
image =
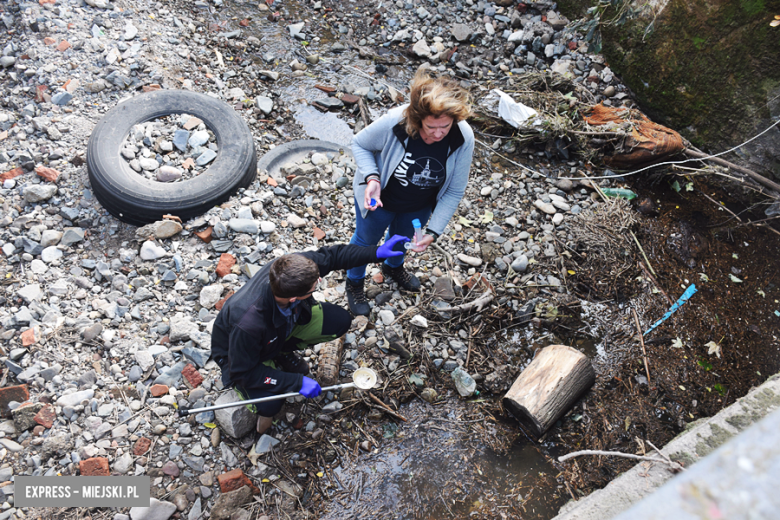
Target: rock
{"points": [[265, 443], [421, 49], [546, 207], [157, 510], [265, 104], [387, 317], [520, 264], [39, 193], [228, 503], [469, 260], [151, 251], [460, 32], [161, 229], [236, 421], [181, 328], [442, 288], [210, 295], [242, 225], [419, 321]]}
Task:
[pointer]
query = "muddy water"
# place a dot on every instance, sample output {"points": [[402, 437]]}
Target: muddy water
{"points": [[444, 467]]}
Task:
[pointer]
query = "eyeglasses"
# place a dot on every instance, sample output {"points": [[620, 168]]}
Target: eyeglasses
{"points": [[316, 288]]}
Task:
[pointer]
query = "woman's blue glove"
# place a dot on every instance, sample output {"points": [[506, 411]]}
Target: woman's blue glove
{"points": [[310, 388], [386, 249]]}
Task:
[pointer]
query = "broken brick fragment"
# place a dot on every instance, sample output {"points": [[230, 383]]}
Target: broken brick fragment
{"points": [[28, 337], [205, 235], [49, 174], [94, 467], [45, 416], [141, 446], [226, 262], [349, 99], [158, 390], [151, 88], [272, 182], [221, 303], [10, 174], [49, 40], [235, 479], [12, 393], [63, 46], [191, 374], [318, 233]]}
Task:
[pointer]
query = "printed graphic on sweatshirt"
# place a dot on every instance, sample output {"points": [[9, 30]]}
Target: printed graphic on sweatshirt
{"points": [[424, 172]]}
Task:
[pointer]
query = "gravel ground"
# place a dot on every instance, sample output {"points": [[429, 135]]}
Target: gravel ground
{"points": [[108, 326]]}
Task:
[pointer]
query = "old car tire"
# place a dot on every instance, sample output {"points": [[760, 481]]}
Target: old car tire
{"points": [[134, 199]]}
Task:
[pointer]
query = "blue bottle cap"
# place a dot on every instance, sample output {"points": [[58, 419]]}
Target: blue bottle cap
{"points": [[416, 223], [372, 203]]}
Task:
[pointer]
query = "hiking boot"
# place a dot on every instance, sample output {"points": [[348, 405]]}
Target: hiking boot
{"points": [[402, 277], [291, 362], [356, 298], [395, 343]]}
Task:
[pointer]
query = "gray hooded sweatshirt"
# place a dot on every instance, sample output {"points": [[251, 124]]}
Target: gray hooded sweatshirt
{"points": [[379, 148]]}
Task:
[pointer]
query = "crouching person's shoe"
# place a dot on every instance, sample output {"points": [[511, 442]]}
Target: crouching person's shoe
{"points": [[291, 362], [263, 423], [356, 298], [402, 277]]}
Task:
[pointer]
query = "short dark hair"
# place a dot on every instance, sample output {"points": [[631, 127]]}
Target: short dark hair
{"points": [[293, 275]]}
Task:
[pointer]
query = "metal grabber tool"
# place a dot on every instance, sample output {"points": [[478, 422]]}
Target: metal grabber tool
{"points": [[362, 378]]}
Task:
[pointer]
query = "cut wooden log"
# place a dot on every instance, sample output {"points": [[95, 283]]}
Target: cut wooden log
{"points": [[549, 386]]}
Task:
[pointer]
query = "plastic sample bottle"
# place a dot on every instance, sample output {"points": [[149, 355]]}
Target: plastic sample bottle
{"points": [[418, 235], [619, 193]]}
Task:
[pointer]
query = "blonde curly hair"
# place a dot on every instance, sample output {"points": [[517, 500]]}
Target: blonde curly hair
{"points": [[437, 97]]}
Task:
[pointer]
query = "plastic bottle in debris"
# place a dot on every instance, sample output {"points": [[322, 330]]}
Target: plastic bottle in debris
{"points": [[464, 383], [619, 193]]}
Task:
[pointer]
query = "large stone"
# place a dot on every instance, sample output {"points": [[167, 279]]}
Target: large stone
{"points": [[210, 295], [265, 104], [228, 503], [461, 32], [39, 193], [157, 510], [159, 229], [236, 421], [181, 328]]}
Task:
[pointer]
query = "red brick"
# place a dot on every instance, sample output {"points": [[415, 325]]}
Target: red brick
{"points": [[45, 416], [158, 390], [221, 303], [94, 467], [272, 182], [205, 235], [349, 99], [192, 375], [226, 262], [235, 479], [50, 174], [39, 90], [28, 337], [12, 393], [49, 40], [63, 46], [10, 174], [318, 233], [141, 446]]}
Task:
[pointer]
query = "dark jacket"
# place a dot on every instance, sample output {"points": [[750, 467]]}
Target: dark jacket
{"points": [[250, 329]]}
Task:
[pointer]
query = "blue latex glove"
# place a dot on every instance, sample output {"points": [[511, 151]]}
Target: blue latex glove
{"points": [[386, 249], [310, 388]]}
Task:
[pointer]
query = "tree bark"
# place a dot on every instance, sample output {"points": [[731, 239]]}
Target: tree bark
{"points": [[549, 386]]}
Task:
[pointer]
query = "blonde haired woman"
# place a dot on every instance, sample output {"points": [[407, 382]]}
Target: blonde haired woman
{"points": [[412, 164]]}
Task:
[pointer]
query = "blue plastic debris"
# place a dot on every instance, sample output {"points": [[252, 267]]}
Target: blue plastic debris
{"points": [[690, 291]]}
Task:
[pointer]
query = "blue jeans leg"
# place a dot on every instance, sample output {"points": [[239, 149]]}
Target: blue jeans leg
{"points": [[368, 232], [402, 225]]}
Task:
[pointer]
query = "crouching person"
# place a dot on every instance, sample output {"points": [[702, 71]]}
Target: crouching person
{"points": [[260, 329]]}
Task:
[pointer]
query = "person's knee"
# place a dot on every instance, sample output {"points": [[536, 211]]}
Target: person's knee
{"points": [[336, 320]]}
